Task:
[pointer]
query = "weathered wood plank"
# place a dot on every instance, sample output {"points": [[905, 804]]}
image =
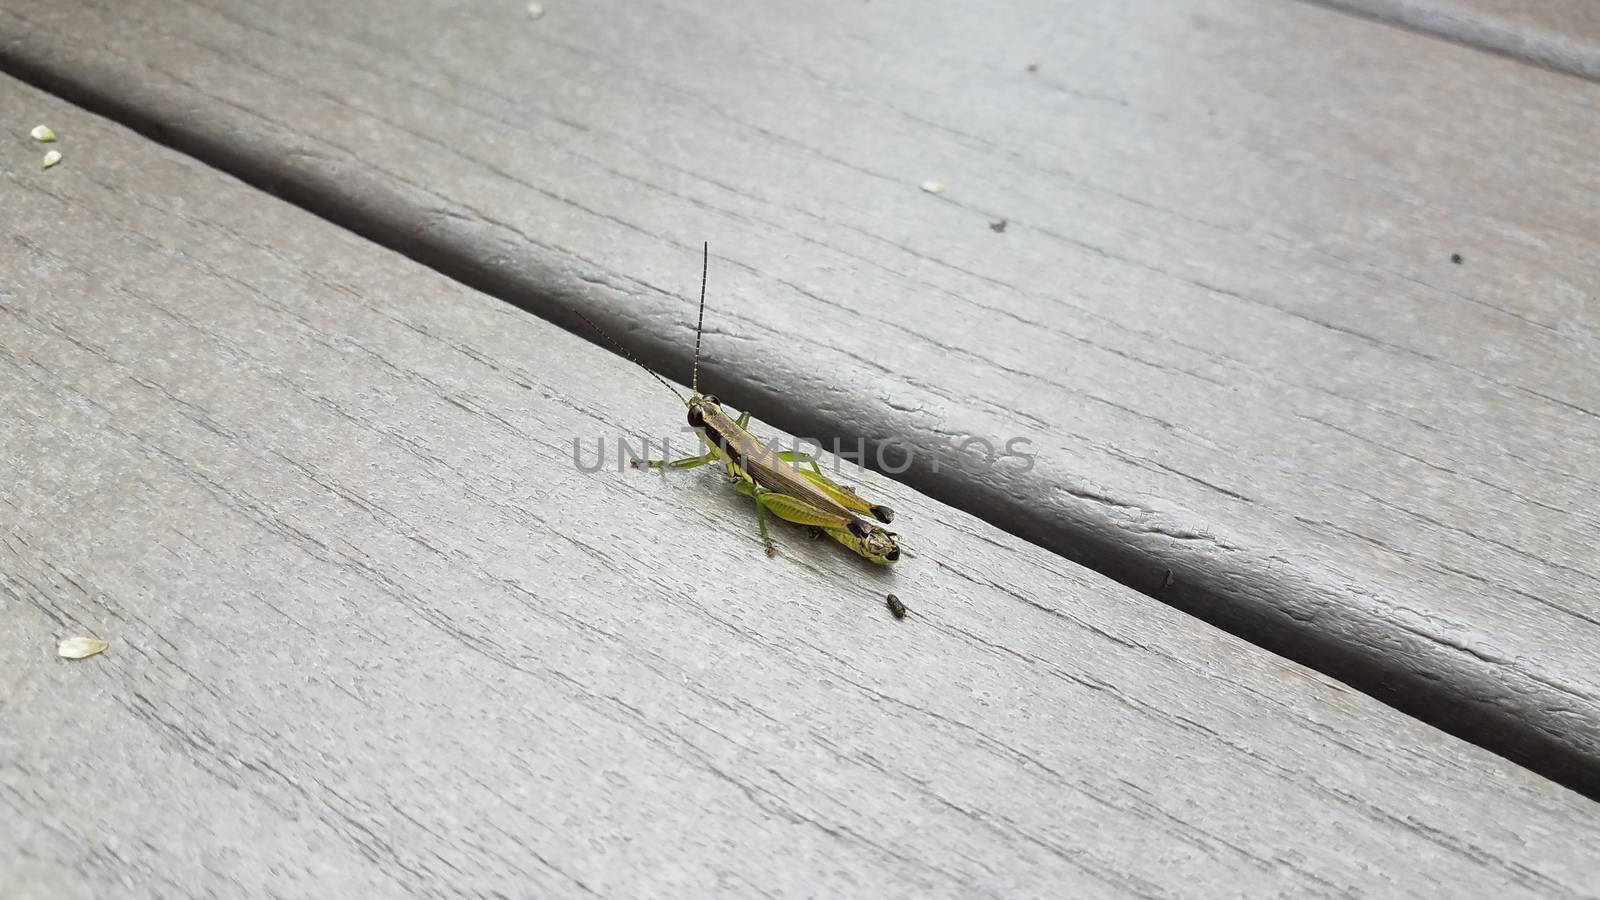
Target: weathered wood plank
{"points": [[1224, 308], [1562, 34], [373, 633]]}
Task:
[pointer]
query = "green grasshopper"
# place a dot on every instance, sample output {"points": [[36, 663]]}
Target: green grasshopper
{"points": [[787, 484]]}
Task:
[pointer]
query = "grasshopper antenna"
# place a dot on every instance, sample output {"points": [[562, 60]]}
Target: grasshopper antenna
{"points": [[699, 328], [634, 359]]}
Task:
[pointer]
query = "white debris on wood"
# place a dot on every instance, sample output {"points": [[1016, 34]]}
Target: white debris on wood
{"points": [[934, 187], [42, 134], [51, 158], [80, 647]]}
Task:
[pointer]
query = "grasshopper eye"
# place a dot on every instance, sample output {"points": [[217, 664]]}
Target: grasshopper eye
{"points": [[711, 399]]}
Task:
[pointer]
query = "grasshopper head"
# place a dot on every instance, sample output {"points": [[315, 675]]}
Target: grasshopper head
{"points": [[880, 546], [698, 404], [869, 541]]}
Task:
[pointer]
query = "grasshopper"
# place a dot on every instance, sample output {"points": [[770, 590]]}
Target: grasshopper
{"points": [[787, 484]]}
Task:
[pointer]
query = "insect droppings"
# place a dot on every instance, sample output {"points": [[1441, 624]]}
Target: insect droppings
{"points": [[896, 607], [1456, 258], [998, 227]]}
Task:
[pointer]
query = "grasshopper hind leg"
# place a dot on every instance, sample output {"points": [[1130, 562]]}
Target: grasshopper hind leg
{"points": [[793, 509], [841, 494]]}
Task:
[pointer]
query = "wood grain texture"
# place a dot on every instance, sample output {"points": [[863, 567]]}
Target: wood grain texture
{"points": [[373, 633], [1223, 308], [1561, 34]]}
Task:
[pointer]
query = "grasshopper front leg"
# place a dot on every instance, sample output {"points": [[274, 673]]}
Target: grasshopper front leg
{"points": [[688, 462]]}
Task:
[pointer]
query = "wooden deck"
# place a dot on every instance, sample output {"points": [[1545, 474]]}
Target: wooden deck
{"points": [[307, 460], [1561, 34]]}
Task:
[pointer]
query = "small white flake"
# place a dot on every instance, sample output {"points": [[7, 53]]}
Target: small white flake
{"points": [[80, 647], [933, 187], [51, 158], [43, 134], [535, 10]]}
